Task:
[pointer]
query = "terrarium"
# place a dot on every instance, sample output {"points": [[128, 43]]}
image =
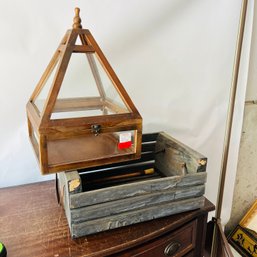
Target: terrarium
{"points": [[79, 114]]}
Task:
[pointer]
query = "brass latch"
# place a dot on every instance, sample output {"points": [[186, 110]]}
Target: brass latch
{"points": [[96, 129]]}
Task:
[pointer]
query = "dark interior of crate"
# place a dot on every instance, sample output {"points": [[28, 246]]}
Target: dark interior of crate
{"points": [[124, 172]]}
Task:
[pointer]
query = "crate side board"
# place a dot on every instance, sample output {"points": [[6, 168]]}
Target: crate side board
{"points": [[128, 218], [173, 156], [178, 145], [122, 191], [73, 182], [133, 203], [134, 189], [64, 195], [193, 179]]}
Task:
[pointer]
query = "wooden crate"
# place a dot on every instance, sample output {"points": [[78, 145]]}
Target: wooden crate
{"points": [[93, 202]]}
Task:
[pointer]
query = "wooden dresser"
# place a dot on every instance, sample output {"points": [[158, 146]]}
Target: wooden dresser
{"points": [[32, 224]]}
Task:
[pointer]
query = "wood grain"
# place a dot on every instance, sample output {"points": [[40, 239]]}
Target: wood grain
{"points": [[83, 49], [177, 158], [89, 147], [32, 224], [133, 217], [185, 236], [73, 182], [132, 190], [33, 115], [141, 202]]}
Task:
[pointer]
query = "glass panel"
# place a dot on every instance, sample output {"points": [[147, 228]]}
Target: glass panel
{"points": [[42, 96], [86, 91], [91, 147], [79, 114], [78, 95], [112, 97], [78, 80]]}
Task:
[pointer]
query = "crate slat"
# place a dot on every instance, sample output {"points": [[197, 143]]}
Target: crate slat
{"points": [[131, 190], [79, 215], [128, 218]]}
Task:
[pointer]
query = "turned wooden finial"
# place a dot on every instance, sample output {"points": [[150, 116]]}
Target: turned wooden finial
{"points": [[77, 20]]}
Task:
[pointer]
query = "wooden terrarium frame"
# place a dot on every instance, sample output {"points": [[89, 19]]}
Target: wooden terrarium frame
{"points": [[70, 143]]}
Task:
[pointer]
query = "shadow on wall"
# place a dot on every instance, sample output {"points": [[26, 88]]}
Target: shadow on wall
{"points": [[18, 163]]}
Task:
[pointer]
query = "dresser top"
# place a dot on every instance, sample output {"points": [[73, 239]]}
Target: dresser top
{"points": [[33, 224]]}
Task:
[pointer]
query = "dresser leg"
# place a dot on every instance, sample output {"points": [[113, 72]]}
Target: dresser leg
{"points": [[201, 235]]}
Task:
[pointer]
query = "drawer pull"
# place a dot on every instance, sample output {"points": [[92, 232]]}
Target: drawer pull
{"points": [[171, 248]]}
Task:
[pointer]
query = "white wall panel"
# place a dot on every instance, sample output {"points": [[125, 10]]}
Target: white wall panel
{"points": [[174, 57]]}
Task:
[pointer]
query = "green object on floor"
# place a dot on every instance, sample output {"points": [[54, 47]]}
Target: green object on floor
{"points": [[3, 252]]}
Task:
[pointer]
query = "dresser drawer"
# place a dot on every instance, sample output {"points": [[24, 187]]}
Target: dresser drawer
{"points": [[176, 243]]}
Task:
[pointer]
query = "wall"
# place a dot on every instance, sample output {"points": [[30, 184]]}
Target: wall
{"points": [[174, 58], [245, 191], [238, 116], [251, 92]]}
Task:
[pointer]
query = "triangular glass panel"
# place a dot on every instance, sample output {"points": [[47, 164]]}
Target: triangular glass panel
{"points": [[41, 97], [113, 100], [86, 90]]}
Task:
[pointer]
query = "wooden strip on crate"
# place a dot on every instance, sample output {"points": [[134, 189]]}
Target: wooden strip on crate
{"points": [[193, 179], [133, 203], [128, 218], [176, 155], [133, 189]]}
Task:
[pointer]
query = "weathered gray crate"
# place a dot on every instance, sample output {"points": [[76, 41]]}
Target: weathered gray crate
{"points": [[178, 186]]}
